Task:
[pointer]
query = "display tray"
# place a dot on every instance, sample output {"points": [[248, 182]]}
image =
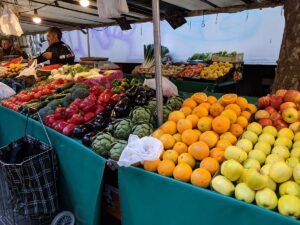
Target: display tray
{"points": [[93, 59]]}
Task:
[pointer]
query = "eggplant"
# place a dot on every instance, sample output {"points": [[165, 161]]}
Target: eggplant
{"points": [[88, 138], [81, 130], [104, 115], [150, 93], [141, 100], [122, 108], [109, 107], [132, 92], [100, 124]]}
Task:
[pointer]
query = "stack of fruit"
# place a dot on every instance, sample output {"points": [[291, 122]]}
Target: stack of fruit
{"points": [[263, 167], [200, 132], [216, 70], [281, 110]]}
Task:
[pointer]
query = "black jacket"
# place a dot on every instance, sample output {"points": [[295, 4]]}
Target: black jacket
{"points": [[12, 51], [61, 54]]}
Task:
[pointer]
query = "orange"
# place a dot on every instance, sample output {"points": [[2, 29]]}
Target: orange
{"points": [[198, 132], [221, 124], [229, 136], [246, 114], [205, 105], [189, 103], [242, 121], [199, 150], [236, 129], [235, 108], [186, 110], [216, 109], [242, 102], [194, 119], [169, 127], [187, 158], [167, 140], [218, 154], [177, 137], [151, 165], [176, 116], [171, 155], [182, 172], [180, 148], [204, 124], [223, 144], [251, 108], [200, 111], [184, 124], [199, 97], [210, 138], [230, 114], [189, 137], [211, 164], [228, 98], [166, 167], [201, 177], [158, 133], [211, 99]]}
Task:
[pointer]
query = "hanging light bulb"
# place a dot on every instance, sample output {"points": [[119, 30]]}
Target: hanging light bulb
{"points": [[84, 3], [36, 18]]}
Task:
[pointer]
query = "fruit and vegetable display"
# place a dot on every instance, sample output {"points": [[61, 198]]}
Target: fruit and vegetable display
{"points": [[166, 69], [149, 55], [281, 110], [13, 61], [201, 56], [12, 70], [216, 70], [226, 54], [192, 70]]}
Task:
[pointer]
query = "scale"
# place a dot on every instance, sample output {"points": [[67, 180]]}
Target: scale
{"points": [[98, 62]]}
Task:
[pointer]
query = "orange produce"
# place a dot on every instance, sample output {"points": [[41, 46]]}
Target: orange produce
{"points": [[199, 150], [218, 154], [171, 155], [198, 132], [211, 99], [180, 148], [205, 105], [204, 124], [223, 144], [184, 124], [167, 140], [166, 168], [189, 103], [187, 158], [242, 102], [158, 133], [230, 114], [199, 97], [235, 108], [182, 172], [210, 138], [200, 111], [246, 114], [228, 98], [169, 127], [177, 137], [189, 137], [186, 110], [230, 137], [194, 119], [221, 124], [251, 108], [242, 121], [211, 164], [216, 109], [176, 116], [236, 129], [201, 177], [151, 165]]}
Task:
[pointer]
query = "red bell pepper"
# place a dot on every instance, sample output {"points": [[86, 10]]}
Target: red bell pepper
{"points": [[71, 110], [89, 116], [100, 109], [77, 102], [68, 130], [60, 113], [76, 119], [95, 90], [49, 120], [116, 97], [105, 96]]}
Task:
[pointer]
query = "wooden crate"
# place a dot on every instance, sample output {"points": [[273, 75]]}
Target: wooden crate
{"points": [[233, 59]]}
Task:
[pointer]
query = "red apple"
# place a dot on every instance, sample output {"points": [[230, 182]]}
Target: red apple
{"points": [[270, 110], [279, 124], [281, 92], [263, 102], [262, 114], [290, 115], [295, 127], [275, 116], [292, 96], [276, 101], [286, 105], [265, 122]]}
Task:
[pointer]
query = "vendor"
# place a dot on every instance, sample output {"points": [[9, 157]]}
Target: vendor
{"points": [[8, 49], [58, 52]]}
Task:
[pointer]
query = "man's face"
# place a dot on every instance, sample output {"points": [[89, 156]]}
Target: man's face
{"points": [[5, 44], [52, 38]]}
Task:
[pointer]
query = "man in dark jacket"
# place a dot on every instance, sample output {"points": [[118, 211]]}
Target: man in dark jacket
{"points": [[58, 52]]}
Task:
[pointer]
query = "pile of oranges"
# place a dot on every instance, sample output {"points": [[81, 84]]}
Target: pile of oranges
{"points": [[196, 136]]}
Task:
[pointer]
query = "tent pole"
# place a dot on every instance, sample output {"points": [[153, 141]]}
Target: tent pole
{"points": [[88, 42], [157, 54]]}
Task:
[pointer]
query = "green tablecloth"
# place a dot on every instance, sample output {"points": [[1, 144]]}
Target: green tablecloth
{"points": [[150, 199], [81, 170]]}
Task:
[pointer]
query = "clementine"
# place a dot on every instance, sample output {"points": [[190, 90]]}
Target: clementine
{"points": [[242, 102], [204, 124], [186, 110], [229, 136], [201, 177], [184, 124], [235, 108], [167, 140], [157, 134], [211, 164], [205, 105], [251, 108], [151, 165], [189, 103], [211, 99], [180, 148], [223, 144], [200, 111], [187, 158], [246, 114], [166, 167], [182, 172], [194, 119], [176, 116], [236, 129], [199, 97], [221, 124], [210, 138], [177, 137], [171, 155], [230, 114], [216, 109], [189, 137], [199, 150], [218, 154], [242, 121], [229, 98], [169, 127]]}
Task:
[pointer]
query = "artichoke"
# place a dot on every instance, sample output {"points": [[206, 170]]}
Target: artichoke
{"points": [[122, 129], [152, 105], [102, 143], [174, 102], [142, 129], [140, 115], [166, 112], [116, 149]]}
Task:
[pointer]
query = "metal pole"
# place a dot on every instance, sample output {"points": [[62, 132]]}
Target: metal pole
{"points": [[88, 42], [157, 54]]}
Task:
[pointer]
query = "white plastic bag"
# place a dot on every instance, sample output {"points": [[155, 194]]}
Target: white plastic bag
{"points": [[169, 89], [112, 8], [139, 150], [9, 23], [30, 71], [6, 91]]}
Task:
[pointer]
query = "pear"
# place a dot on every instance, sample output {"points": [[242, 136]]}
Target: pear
{"points": [[270, 130], [232, 169], [295, 152], [283, 151], [244, 193], [271, 184], [259, 155], [289, 188], [266, 198], [250, 135], [292, 161], [296, 173], [245, 145], [255, 127], [222, 185], [280, 172], [242, 178], [265, 137], [255, 179], [273, 158], [283, 141], [251, 163], [266, 169], [236, 153], [263, 146], [289, 205]]}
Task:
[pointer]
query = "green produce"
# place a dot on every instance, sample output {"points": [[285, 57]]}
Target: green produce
{"points": [[67, 100], [122, 129], [102, 143], [201, 56], [152, 105], [140, 115], [80, 93], [175, 102], [142, 130], [149, 55], [116, 149], [64, 87], [80, 85], [54, 103], [135, 82], [166, 111]]}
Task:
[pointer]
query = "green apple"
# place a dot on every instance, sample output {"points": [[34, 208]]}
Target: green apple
{"points": [[296, 144], [280, 172], [295, 152], [236, 153], [266, 169], [251, 163], [255, 127], [289, 188], [244, 193], [270, 130], [251, 136], [222, 185], [245, 144], [259, 155], [271, 159], [255, 179], [265, 137], [286, 132], [266, 198], [271, 184], [289, 205], [292, 161], [283, 141], [263, 146], [296, 173], [232, 169], [283, 151], [297, 137], [242, 178]]}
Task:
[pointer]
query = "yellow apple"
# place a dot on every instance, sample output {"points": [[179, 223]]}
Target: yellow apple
{"points": [[263, 146], [270, 130], [286, 132], [283, 141], [283, 151], [280, 172], [255, 127]]}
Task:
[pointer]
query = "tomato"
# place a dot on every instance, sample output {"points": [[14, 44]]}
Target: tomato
{"points": [[46, 91], [25, 98], [37, 94]]}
